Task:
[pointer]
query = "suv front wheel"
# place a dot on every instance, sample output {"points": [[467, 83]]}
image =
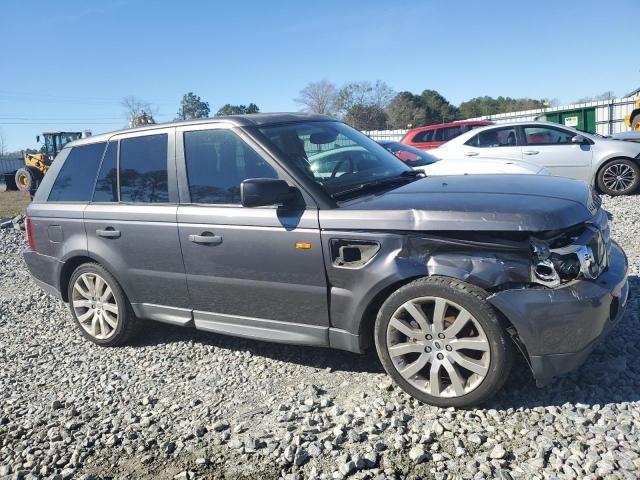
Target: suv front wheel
{"points": [[441, 342], [99, 306]]}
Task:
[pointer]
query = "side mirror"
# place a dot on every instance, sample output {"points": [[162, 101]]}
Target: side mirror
{"points": [[256, 192], [580, 140]]}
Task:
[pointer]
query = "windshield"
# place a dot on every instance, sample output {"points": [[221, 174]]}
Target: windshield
{"points": [[410, 155], [334, 155]]}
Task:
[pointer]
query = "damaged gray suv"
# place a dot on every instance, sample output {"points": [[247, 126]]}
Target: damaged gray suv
{"points": [[299, 229]]}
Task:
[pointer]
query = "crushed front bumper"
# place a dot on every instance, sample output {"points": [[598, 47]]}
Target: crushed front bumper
{"points": [[559, 327]]}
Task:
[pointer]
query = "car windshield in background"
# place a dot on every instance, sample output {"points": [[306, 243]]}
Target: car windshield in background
{"points": [[336, 156], [410, 155]]}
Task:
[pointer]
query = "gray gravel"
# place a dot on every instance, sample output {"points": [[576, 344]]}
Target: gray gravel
{"points": [[183, 404]]}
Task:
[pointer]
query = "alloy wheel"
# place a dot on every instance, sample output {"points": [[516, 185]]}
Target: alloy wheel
{"points": [[95, 306], [438, 347], [618, 177]]}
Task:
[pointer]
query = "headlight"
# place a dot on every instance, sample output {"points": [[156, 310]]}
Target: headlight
{"points": [[587, 256]]}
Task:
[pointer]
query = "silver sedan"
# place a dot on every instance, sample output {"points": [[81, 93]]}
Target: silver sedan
{"points": [[613, 166]]}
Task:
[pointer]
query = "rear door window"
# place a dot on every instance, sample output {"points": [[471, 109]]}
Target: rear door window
{"points": [[425, 136], [451, 132], [75, 180], [107, 183], [496, 137], [143, 169]]}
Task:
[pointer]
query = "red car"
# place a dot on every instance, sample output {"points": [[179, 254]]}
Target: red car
{"points": [[432, 136]]}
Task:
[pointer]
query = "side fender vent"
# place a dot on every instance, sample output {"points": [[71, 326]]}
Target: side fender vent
{"points": [[352, 253]]}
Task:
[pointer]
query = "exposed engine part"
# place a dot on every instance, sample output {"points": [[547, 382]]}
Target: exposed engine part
{"points": [[545, 273], [564, 256]]}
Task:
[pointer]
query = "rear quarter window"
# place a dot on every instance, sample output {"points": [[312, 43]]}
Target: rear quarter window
{"points": [[75, 180]]}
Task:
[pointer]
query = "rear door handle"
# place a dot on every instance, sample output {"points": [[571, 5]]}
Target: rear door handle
{"points": [[471, 154], [531, 152], [108, 232], [206, 238]]}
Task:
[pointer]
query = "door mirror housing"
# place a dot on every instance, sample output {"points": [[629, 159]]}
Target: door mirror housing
{"points": [[580, 140], [257, 192]]}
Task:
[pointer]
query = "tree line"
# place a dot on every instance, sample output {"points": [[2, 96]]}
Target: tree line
{"points": [[375, 106], [140, 112], [365, 105]]}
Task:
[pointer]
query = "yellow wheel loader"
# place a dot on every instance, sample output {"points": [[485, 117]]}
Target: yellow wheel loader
{"points": [[633, 119], [28, 178]]}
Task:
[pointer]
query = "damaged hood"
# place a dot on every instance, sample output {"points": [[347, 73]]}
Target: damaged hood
{"points": [[469, 202]]}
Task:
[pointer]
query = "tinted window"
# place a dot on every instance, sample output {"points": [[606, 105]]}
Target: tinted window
{"points": [[425, 136], [75, 180], [217, 162], [143, 169], [496, 137], [451, 132], [547, 136], [107, 183], [446, 133]]}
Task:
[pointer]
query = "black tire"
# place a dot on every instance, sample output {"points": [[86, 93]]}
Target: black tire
{"points": [[474, 301], [606, 175], [127, 322]]}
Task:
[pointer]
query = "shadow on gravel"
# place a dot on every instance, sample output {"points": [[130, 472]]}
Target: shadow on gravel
{"points": [[610, 375], [155, 333]]}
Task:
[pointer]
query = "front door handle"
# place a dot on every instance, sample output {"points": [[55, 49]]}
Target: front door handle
{"points": [[108, 232], [531, 152], [471, 154], [206, 238]]}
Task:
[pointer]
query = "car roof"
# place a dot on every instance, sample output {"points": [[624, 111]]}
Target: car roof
{"points": [[527, 123], [253, 119], [451, 124]]}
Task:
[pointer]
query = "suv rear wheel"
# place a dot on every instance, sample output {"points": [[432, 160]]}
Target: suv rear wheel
{"points": [[99, 306], [442, 342]]}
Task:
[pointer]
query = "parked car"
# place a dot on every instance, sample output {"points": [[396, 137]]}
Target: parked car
{"points": [[223, 225], [610, 165], [432, 165], [433, 136]]}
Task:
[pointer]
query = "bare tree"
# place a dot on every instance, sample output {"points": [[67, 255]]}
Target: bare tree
{"points": [[138, 111], [608, 95], [355, 94], [2, 144], [363, 104], [318, 97]]}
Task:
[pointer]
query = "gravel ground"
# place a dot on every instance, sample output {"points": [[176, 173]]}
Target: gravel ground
{"points": [[182, 404]]}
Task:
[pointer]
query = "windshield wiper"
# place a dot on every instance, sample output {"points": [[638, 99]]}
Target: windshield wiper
{"points": [[373, 185]]}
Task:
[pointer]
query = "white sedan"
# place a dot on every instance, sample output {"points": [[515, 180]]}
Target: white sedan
{"points": [[421, 160], [611, 165]]}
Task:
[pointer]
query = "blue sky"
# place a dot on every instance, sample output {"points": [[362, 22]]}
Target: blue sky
{"points": [[67, 64]]}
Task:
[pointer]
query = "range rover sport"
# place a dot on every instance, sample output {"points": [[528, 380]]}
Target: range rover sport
{"points": [[224, 225]]}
